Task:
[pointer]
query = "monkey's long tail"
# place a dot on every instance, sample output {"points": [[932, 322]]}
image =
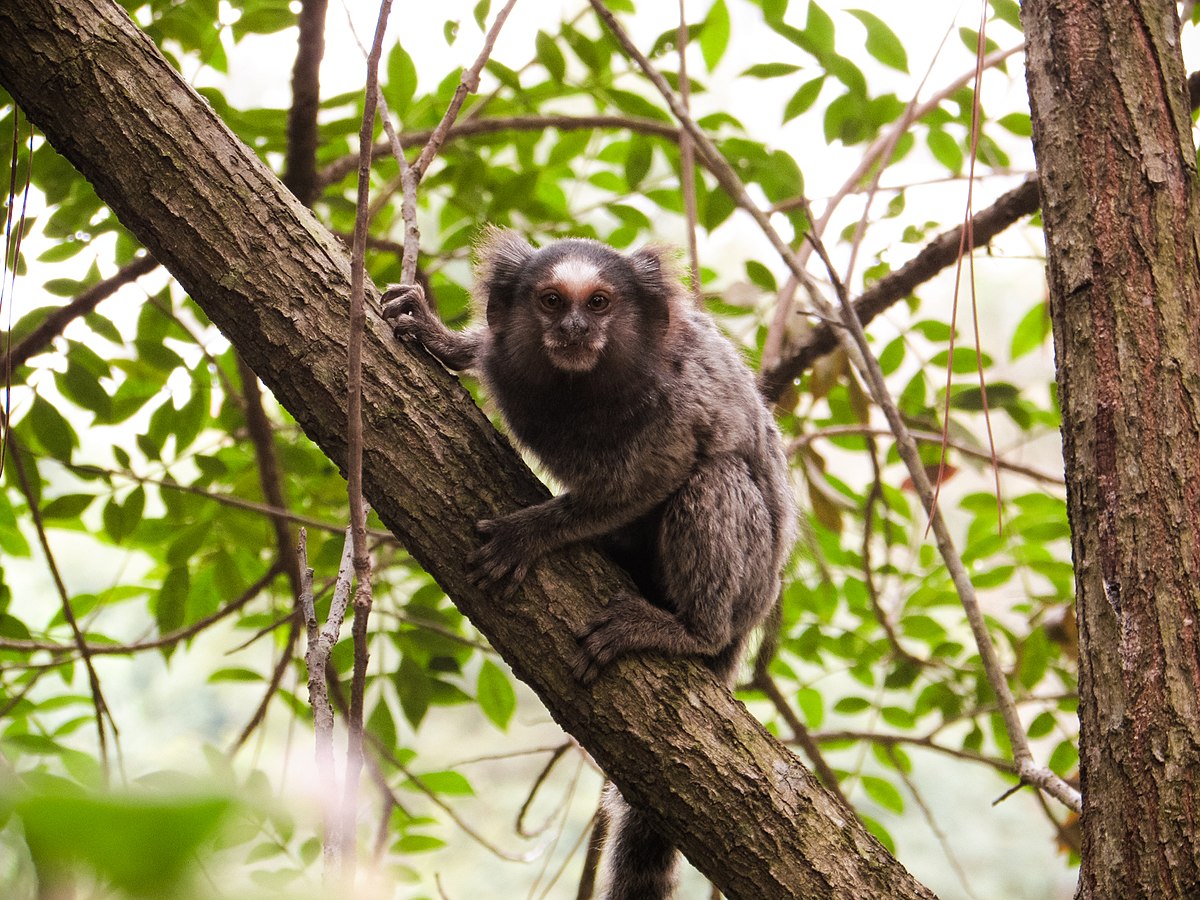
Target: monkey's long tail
{"points": [[640, 863]]}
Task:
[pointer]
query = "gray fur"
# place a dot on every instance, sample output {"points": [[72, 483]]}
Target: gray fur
{"points": [[670, 460]]}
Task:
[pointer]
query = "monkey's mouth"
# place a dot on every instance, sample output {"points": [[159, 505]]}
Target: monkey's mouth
{"points": [[568, 356]]}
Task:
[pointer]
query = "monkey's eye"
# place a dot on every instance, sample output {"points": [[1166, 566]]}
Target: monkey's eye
{"points": [[550, 301], [597, 303]]}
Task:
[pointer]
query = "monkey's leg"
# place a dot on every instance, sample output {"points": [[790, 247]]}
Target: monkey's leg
{"points": [[715, 567], [639, 863]]}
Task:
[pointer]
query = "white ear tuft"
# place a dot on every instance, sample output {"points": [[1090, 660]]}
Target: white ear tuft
{"points": [[500, 254]]}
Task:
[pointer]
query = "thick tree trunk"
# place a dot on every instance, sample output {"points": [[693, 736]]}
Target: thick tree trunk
{"points": [[1118, 178], [276, 283]]}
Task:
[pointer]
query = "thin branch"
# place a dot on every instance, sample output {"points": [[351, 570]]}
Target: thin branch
{"points": [[468, 84], [873, 497], [935, 256], [340, 168], [165, 640], [519, 826], [354, 440], [223, 499], [931, 821], [281, 667], [687, 158], [591, 862], [318, 646], [87, 301], [854, 339], [98, 704], [926, 741], [929, 437]]}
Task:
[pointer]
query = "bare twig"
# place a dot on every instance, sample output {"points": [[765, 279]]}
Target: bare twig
{"points": [[854, 339], [98, 703], [54, 323], [165, 640], [929, 437], [358, 512], [687, 158], [319, 645], [519, 827], [925, 741], [873, 497], [860, 353]]}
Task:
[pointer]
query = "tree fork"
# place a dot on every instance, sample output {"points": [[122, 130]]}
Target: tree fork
{"points": [[275, 282], [1112, 136]]}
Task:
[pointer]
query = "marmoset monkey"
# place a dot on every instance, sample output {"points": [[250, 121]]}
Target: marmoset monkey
{"points": [[602, 367]]}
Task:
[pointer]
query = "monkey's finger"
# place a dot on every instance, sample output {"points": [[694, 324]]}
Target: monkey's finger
{"points": [[585, 668], [396, 293]]}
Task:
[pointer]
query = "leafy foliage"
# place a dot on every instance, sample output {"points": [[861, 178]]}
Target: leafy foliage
{"points": [[130, 444]]}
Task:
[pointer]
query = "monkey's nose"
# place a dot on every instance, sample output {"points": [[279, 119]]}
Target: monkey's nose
{"points": [[573, 327]]}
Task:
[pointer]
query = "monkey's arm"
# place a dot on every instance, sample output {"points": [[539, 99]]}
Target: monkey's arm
{"points": [[405, 306], [516, 541]]}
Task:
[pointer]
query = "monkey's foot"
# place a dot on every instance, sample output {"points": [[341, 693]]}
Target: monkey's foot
{"points": [[602, 641], [502, 563]]}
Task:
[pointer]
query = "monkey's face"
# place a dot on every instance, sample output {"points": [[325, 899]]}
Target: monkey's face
{"points": [[574, 306]]}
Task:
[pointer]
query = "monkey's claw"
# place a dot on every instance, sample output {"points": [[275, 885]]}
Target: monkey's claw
{"points": [[502, 563], [600, 643], [405, 308]]}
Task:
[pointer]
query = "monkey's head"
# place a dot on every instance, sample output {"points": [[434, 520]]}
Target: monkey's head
{"points": [[578, 305]]}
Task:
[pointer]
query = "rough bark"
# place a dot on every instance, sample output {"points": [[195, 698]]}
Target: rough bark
{"points": [[738, 803], [1117, 170]]}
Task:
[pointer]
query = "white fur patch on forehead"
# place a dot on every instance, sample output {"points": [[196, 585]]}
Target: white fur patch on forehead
{"points": [[576, 275]]}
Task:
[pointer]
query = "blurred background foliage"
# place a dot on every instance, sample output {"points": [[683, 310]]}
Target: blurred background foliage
{"points": [[143, 584]]}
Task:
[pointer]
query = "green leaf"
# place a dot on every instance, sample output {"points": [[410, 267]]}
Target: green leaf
{"points": [[550, 56], [883, 792], [945, 150], [139, 844], [1017, 123], [1064, 759], [638, 160], [1008, 11], [818, 29], [401, 84], [761, 276], [714, 37], [806, 95], [52, 431], [234, 674], [450, 31], [170, 605], [770, 70], [451, 783], [68, 506], [851, 705], [481, 13], [1031, 331], [413, 689], [882, 42], [495, 694]]}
